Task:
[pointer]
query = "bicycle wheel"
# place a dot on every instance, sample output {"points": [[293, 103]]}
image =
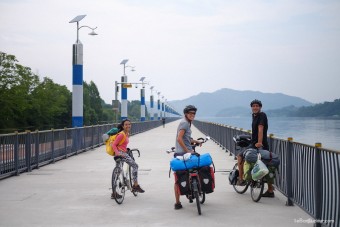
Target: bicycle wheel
{"points": [[131, 181], [202, 197], [256, 190], [238, 188], [118, 187], [196, 194]]}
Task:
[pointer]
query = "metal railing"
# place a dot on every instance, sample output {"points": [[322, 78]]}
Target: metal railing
{"points": [[24, 151], [309, 176]]}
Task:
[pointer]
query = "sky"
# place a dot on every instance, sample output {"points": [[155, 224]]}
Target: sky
{"points": [[182, 47]]}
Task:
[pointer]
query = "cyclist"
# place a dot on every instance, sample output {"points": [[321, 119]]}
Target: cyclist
{"points": [[258, 140], [184, 142], [120, 150]]}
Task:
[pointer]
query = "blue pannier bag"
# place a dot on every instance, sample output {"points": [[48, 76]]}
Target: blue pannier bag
{"points": [[194, 161]]}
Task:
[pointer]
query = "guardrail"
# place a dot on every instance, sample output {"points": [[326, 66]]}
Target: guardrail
{"points": [[24, 151], [309, 176]]}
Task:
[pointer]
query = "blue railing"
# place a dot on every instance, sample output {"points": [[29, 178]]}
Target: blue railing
{"points": [[309, 176], [24, 151]]}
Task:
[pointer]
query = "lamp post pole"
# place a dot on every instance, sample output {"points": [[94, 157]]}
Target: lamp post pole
{"points": [[77, 76], [123, 113], [142, 100], [151, 105], [159, 106]]}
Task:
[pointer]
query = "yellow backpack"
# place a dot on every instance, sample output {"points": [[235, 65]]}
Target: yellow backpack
{"points": [[108, 143]]}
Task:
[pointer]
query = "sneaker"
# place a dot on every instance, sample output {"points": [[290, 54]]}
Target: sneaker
{"points": [[241, 182], [190, 199], [137, 189], [268, 194], [178, 206]]}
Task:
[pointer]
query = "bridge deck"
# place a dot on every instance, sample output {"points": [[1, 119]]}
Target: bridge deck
{"points": [[76, 192]]}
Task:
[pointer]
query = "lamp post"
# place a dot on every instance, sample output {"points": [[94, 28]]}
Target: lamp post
{"points": [[159, 106], [151, 104], [142, 100], [77, 75], [162, 111], [123, 113]]}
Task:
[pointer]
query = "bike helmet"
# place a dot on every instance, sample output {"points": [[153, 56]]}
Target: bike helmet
{"points": [[256, 101], [189, 108]]}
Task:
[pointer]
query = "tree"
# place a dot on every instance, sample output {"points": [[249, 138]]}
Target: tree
{"points": [[16, 85]]}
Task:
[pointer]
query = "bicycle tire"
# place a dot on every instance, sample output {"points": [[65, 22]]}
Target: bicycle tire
{"points": [[131, 182], [238, 188], [196, 194], [118, 186], [256, 190]]}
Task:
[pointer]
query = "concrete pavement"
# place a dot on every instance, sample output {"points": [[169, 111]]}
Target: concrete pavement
{"points": [[76, 192]]}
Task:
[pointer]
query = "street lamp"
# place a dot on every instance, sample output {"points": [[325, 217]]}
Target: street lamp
{"points": [[142, 100], [151, 104], [77, 74], [123, 113], [159, 106]]}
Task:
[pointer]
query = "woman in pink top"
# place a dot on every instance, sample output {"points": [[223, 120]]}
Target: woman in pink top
{"points": [[120, 149]]}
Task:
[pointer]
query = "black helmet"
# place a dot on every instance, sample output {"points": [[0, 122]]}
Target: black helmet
{"points": [[256, 101], [189, 108]]}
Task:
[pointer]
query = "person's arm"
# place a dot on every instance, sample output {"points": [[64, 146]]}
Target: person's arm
{"points": [[260, 137], [180, 140]]}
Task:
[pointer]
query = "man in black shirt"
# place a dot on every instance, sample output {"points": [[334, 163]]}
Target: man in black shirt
{"points": [[259, 135]]}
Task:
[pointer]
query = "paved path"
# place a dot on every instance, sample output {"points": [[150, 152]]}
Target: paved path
{"points": [[76, 192]]}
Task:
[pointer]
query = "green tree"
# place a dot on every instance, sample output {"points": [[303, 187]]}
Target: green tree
{"points": [[51, 106], [93, 110], [16, 85]]}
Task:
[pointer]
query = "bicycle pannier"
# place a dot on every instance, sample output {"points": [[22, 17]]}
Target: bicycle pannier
{"points": [[182, 181], [233, 175], [207, 179]]}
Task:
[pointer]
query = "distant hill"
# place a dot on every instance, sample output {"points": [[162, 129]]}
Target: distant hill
{"points": [[326, 109], [229, 102]]}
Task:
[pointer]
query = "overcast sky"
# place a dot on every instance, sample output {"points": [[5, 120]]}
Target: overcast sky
{"points": [[183, 47]]}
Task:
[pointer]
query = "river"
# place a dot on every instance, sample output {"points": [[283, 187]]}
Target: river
{"points": [[307, 130]]}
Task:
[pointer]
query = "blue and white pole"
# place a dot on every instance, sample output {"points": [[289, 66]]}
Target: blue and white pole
{"points": [[151, 105], [77, 76], [77, 85], [124, 109], [142, 104], [159, 107]]}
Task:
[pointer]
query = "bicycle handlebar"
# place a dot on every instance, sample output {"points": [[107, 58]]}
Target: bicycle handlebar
{"points": [[134, 149], [203, 140]]}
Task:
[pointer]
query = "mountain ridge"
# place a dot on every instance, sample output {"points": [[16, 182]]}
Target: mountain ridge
{"points": [[229, 101]]}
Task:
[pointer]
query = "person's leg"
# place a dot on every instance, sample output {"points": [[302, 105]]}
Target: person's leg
{"points": [[134, 173], [178, 204], [240, 170]]}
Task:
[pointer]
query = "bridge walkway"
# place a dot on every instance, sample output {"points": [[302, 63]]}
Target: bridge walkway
{"points": [[76, 192]]}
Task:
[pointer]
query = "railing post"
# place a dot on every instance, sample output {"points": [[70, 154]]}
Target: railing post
{"points": [[37, 151], [52, 144], [318, 185], [65, 141], [289, 172], [16, 153], [28, 150]]}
